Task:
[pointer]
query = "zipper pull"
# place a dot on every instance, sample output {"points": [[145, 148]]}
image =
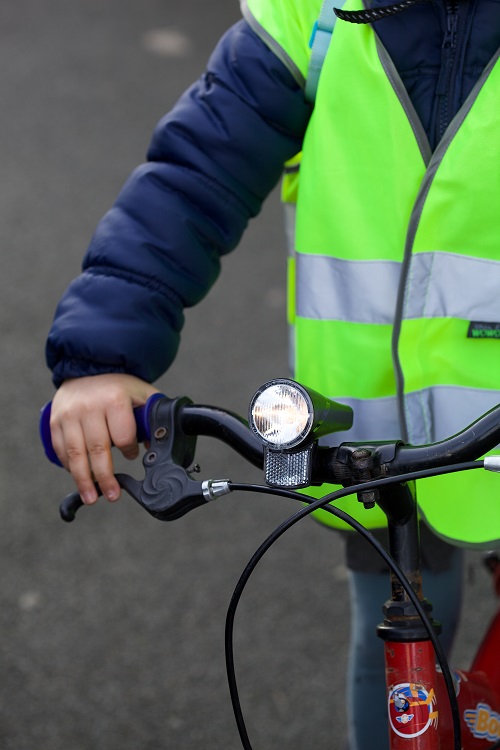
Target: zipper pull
{"points": [[448, 48], [451, 30]]}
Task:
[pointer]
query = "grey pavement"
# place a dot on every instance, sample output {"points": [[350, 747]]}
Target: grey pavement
{"points": [[111, 629]]}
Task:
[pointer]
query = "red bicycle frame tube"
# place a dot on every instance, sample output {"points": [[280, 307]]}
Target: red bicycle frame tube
{"points": [[418, 706], [412, 696]]}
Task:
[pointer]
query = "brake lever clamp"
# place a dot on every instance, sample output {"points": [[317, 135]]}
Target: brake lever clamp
{"points": [[167, 491]]}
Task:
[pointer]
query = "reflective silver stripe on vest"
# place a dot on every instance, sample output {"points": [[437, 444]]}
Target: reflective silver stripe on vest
{"points": [[351, 290], [448, 410], [440, 285], [366, 291], [441, 411], [374, 419]]}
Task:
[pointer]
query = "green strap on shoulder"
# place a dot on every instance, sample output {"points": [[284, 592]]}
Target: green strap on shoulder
{"points": [[319, 43]]}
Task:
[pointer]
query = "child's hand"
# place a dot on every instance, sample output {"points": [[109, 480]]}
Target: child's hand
{"points": [[88, 416]]}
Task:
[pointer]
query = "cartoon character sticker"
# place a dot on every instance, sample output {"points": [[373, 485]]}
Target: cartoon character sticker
{"points": [[412, 710]]}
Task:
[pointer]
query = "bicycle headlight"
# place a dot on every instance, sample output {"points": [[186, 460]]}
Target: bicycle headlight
{"points": [[288, 418], [285, 414], [282, 414]]}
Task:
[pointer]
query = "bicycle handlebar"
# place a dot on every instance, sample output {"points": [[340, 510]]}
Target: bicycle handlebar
{"points": [[171, 427], [168, 491]]}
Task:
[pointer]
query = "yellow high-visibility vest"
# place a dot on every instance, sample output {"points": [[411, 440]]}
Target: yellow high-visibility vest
{"points": [[396, 263]]}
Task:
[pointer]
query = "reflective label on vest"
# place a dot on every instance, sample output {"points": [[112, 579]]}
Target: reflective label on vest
{"points": [[481, 330]]}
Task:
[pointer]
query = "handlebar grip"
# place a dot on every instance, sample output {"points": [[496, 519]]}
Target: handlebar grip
{"points": [[69, 507], [141, 415]]}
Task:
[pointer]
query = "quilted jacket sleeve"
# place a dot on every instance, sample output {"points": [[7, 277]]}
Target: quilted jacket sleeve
{"points": [[212, 161]]}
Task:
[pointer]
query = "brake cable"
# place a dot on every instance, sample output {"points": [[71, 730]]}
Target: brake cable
{"points": [[324, 504]]}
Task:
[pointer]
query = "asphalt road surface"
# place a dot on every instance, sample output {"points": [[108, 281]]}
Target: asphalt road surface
{"points": [[111, 629]]}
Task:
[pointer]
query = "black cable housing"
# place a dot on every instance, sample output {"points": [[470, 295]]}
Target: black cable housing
{"points": [[324, 503]]}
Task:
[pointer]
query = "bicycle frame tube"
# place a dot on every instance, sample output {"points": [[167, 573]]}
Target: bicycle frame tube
{"points": [[412, 695], [478, 706], [411, 677], [478, 689]]}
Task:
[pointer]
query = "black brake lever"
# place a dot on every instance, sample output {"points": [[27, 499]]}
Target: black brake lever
{"points": [[167, 491]]}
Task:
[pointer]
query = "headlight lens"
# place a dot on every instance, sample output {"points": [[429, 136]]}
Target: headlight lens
{"points": [[282, 414]]}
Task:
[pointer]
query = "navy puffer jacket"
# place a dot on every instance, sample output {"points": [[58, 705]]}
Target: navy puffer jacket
{"points": [[212, 161]]}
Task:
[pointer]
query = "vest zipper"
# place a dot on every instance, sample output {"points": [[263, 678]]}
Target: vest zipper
{"points": [[445, 88]]}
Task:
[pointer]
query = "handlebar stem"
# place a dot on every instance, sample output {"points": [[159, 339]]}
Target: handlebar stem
{"points": [[401, 620]]}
